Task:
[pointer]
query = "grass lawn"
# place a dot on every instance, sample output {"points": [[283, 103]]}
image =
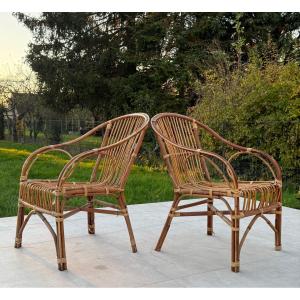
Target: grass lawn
{"points": [[144, 184]]}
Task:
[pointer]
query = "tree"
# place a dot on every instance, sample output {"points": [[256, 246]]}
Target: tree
{"points": [[31, 107], [114, 63], [10, 89]]}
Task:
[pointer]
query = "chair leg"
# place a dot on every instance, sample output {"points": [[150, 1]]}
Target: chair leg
{"points": [[235, 259], [60, 245], [91, 216], [20, 220], [209, 219], [167, 223], [278, 218], [235, 239], [123, 206]]}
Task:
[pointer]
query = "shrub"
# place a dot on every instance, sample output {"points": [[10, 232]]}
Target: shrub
{"points": [[53, 131], [256, 107]]}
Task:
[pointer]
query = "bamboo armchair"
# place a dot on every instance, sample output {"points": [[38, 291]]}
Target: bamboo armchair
{"points": [[112, 162], [190, 168]]}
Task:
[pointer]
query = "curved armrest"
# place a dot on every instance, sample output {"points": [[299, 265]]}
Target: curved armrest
{"points": [[208, 155], [229, 168], [271, 162], [34, 156], [70, 166], [267, 159], [30, 160]]}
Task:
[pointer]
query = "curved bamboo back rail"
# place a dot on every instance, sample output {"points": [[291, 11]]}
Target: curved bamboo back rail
{"points": [[116, 160], [178, 137], [190, 168]]}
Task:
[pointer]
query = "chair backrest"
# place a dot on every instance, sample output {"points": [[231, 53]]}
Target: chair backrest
{"points": [[174, 131], [125, 134]]}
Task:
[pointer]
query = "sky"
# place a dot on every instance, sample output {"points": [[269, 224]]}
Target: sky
{"points": [[14, 38]]}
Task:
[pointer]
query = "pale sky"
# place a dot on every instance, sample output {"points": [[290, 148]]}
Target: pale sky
{"points": [[14, 38]]}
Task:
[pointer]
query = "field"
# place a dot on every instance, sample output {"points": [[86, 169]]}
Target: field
{"points": [[144, 184]]}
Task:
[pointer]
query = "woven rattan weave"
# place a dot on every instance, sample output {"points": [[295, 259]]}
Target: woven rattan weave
{"points": [[121, 142], [190, 168]]}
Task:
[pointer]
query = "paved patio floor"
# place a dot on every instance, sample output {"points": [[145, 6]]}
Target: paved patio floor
{"points": [[189, 257]]}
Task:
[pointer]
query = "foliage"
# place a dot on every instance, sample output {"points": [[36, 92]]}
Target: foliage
{"points": [[31, 109], [258, 107], [114, 63], [10, 89], [53, 132]]}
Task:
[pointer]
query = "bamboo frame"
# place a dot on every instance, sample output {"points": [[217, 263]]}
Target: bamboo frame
{"points": [[187, 163], [120, 145]]}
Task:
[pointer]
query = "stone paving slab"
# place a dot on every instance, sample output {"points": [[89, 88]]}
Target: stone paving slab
{"points": [[189, 257]]}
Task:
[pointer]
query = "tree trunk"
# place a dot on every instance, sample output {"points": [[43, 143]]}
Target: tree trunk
{"points": [[2, 127], [14, 126]]}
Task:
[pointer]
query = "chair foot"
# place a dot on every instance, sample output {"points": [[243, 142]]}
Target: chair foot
{"points": [[210, 220], [62, 264], [235, 242], [278, 218], [131, 235], [20, 221], [18, 243], [134, 248], [167, 224], [235, 269], [62, 267], [164, 232], [91, 229], [60, 245], [210, 231], [91, 217], [122, 203]]}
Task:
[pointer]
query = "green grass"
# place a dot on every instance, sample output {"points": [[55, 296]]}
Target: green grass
{"points": [[144, 184], [91, 142]]}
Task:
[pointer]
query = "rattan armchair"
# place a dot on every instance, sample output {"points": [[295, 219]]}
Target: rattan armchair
{"points": [[191, 167], [111, 163]]}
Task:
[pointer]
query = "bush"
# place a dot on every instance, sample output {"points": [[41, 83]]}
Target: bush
{"points": [[53, 131], [257, 107]]}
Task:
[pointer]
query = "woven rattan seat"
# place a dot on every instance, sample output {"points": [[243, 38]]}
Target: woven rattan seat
{"points": [[68, 189], [193, 172], [110, 167], [222, 189]]}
